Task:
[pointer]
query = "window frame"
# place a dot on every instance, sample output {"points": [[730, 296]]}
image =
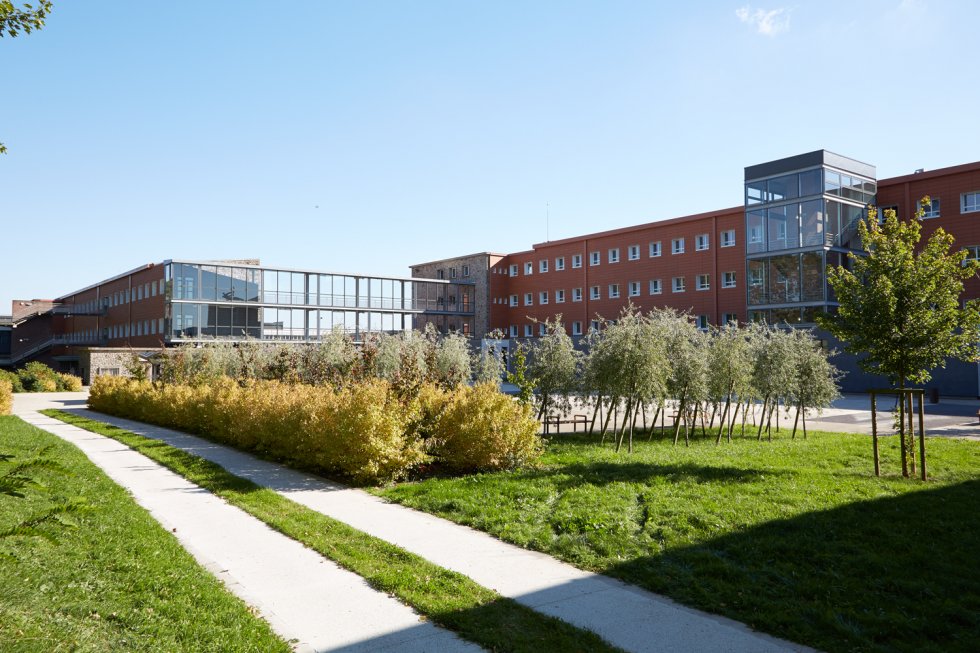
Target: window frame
{"points": [[559, 263], [659, 287], [576, 294], [702, 242], [633, 289], [702, 282], [678, 284], [614, 291], [725, 242], [613, 255], [595, 258], [734, 279], [633, 252], [655, 249], [974, 204], [595, 293], [677, 246], [576, 261]]}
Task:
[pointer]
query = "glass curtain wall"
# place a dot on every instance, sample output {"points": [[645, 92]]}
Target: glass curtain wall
{"points": [[226, 301], [797, 224]]}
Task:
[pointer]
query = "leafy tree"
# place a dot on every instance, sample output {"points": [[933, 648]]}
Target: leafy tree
{"points": [[452, 361], [488, 367], [729, 374], [814, 384], [773, 370], [900, 308], [14, 21], [554, 367], [520, 377]]}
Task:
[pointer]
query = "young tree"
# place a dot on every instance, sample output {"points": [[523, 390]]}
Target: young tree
{"points": [[900, 308], [554, 367], [729, 374], [814, 384]]}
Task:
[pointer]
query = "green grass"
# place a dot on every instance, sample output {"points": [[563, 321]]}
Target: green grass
{"points": [[114, 580], [447, 598], [796, 538]]}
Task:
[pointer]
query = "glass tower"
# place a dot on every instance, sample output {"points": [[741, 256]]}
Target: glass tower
{"points": [[801, 215]]}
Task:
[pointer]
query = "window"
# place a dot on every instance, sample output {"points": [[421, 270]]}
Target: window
{"points": [[972, 253], [452, 273], [594, 325], [153, 289], [576, 260], [655, 249], [703, 322], [594, 292], [513, 300], [614, 255], [703, 282], [970, 202], [513, 330], [543, 297], [440, 274], [139, 293], [634, 288], [883, 212], [543, 265], [701, 242], [728, 238], [656, 287], [677, 246], [513, 270], [528, 299], [560, 263], [728, 280], [755, 233], [528, 268], [634, 252], [162, 281], [466, 270], [614, 291], [576, 328], [160, 326], [576, 294], [559, 296], [729, 318], [756, 275], [542, 329], [594, 258], [677, 284], [528, 330]]}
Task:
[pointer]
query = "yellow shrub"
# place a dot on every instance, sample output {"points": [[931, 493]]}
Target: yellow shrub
{"points": [[6, 396], [358, 433], [68, 382], [482, 428]]}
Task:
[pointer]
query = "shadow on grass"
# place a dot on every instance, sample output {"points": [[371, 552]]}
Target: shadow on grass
{"points": [[602, 473], [900, 573]]}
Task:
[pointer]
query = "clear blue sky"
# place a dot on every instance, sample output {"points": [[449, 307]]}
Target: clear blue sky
{"points": [[366, 136]]}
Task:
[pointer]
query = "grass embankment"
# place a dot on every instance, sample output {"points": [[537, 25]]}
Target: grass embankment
{"points": [[796, 538], [447, 598], [116, 581]]}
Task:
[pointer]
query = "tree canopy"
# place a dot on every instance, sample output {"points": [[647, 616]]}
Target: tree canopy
{"points": [[900, 308]]}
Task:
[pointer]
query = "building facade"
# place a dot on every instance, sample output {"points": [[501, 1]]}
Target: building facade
{"points": [[178, 301], [764, 260]]}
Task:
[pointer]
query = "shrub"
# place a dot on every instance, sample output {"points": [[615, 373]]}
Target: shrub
{"points": [[360, 432], [68, 382], [483, 429], [13, 379], [6, 396]]}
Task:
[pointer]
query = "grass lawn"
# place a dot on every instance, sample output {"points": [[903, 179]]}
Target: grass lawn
{"points": [[447, 598], [116, 580], [796, 538]]}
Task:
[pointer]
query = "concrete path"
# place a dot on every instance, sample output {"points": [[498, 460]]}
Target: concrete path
{"points": [[304, 596], [625, 615]]}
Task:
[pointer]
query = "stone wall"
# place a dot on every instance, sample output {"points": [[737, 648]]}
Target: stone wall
{"points": [[474, 268]]}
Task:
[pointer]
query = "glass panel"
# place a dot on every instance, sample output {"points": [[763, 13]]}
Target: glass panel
{"points": [[756, 275], [755, 224], [209, 282], [784, 279], [810, 314], [284, 288], [785, 315], [810, 183], [850, 216], [813, 276], [783, 227], [831, 184], [784, 188], [298, 295], [812, 221], [758, 316], [238, 284], [225, 284], [755, 192], [270, 286], [224, 322], [299, 324]]}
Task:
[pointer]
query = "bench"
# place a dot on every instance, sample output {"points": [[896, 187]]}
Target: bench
{"points": [[574, 420]]}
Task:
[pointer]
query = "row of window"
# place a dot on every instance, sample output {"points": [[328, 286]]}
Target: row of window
{"points": [[654, 287], [441, 274], [127, 330], [137, 293], [969, 203], [702, 242], [514, 331]]}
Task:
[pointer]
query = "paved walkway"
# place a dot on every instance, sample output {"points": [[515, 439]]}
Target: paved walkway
{"points": [[626, 616], [304, 596]]}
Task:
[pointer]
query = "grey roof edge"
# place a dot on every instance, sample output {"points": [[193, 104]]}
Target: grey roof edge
{"points": [[809, 160]]}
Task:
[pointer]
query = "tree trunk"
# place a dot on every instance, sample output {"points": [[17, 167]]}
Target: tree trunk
{"points": [[677, 418], [653, 424], [795, 422], [804, 423], [731, 424], [723, 419], [622, 430], [908, 412], [609, 414], [901, 426], [762, 419]]}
